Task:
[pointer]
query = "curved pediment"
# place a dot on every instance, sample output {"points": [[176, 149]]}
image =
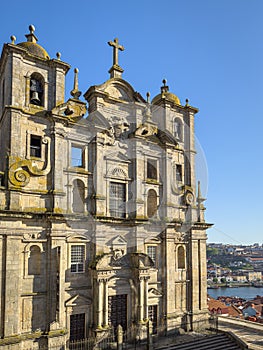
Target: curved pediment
{"points": [[116, 89]]}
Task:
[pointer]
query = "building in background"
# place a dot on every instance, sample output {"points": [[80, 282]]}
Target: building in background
{"points": [[100, 222]]}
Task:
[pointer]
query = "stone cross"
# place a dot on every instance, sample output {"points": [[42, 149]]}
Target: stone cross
{"points": [[116, 48]]}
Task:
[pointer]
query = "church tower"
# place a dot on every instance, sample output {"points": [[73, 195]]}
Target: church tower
{"points": [[101, 224]]}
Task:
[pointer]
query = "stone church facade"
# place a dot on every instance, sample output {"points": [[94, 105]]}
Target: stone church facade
{"points": [[100, 220]]}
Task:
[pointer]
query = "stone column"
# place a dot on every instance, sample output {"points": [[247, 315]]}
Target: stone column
{"points": [[106, 305], [203, 275], [100, 304], [141, 299], [27, 89], [146, 298]]}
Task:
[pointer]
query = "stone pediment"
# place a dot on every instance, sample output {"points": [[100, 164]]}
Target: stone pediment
{"points": [[78, 300], [153, 240], [119, 240], [115, 89], [153, 293], [98, 120], [117, 157], [118, 93], [77, 238]]}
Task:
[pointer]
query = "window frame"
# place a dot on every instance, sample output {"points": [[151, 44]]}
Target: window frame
{"points": [[123, 202], [35, 147], [78, 263], [151, 166], [155, 260], [81, 158], [179, 258], [179, 174]]}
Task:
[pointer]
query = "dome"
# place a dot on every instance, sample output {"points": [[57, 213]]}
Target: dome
{"points": [[168, 96], [31, 45], [35, 49], [165, 94]]}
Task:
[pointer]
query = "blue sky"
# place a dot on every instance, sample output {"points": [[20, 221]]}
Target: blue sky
{"points": [[210, 51]]}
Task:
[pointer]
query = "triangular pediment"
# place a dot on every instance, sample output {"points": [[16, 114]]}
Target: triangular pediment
{"points": [[97, 119], [119, 240], [153, 293], [78, 300], [117, 157]]}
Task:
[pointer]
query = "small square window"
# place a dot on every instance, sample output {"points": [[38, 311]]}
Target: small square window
{"points": [[77, 157], [35, 146], [152, 169], [77, 258]]}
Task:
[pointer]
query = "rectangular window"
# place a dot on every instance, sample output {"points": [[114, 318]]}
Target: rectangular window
{"points": [[117, 200], [152, 315], [77, 258], [77, 157], [152, 169], [77, 327], [179, 172], [35, 146], [151, 251]]}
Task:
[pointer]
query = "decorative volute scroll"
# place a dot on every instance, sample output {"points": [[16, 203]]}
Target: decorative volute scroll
{"points": [[147, 129], [20, 170], [189, 197], [73, 110]]}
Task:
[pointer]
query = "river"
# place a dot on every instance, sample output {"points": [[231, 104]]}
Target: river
{"points": [[242, 292]]}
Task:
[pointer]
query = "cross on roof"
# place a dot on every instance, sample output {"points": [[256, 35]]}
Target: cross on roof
{"points": [[116, 48]]}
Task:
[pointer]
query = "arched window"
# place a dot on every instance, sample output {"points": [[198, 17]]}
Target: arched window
{"points": [[181, 258], [36, 89], [34, 261], [151, 203], [78, 196], [178, 129]]}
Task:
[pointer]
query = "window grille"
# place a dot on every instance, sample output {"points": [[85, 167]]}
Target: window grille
{"points": [[77, 258], [77, 327], [117, 199], [151, 251]]}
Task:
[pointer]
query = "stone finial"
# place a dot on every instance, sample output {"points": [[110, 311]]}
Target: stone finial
{"points": [[31, 36], [58, 54], [13, 39], [148, 112], [164, 88], [200, 199], [148, 97], [75, 92], [116, 71]]}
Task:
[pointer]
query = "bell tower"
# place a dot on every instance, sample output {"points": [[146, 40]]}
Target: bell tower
{"points": [[31, 84]]}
